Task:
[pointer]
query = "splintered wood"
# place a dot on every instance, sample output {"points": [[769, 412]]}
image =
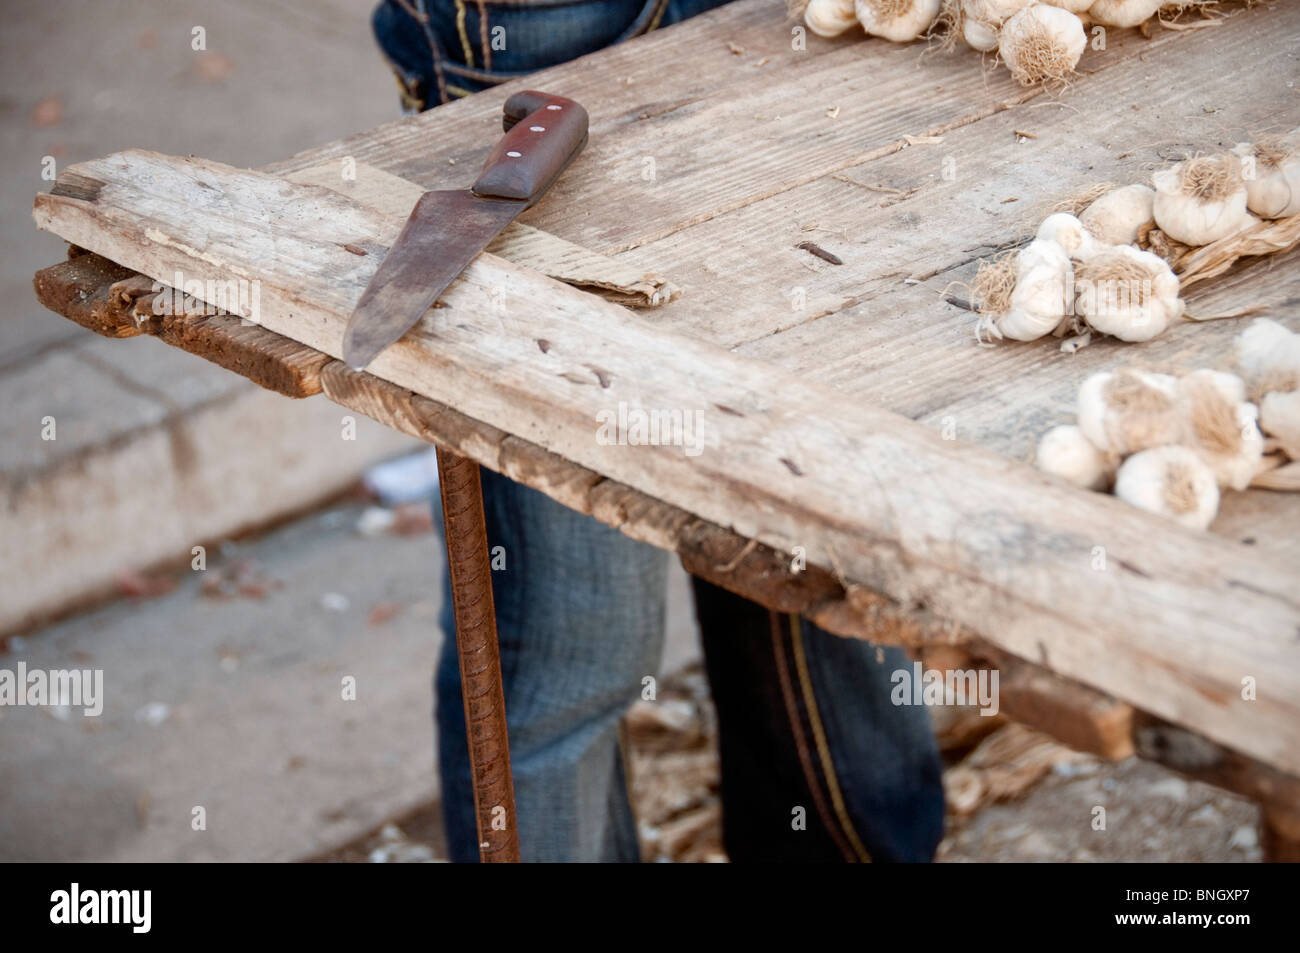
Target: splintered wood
{"points": [[850, 418]]}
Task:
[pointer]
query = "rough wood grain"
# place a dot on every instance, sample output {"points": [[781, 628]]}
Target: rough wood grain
{"points": [[522, 244], [117, 302], [1173, 622]]}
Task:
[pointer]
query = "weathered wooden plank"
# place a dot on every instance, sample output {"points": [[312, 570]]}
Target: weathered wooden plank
{"points": [[524, 245], [116, 302], [928, 209], [683, 130], [1173, 622]]}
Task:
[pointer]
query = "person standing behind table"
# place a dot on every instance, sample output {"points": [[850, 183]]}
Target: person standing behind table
{"points": [[817, 764]]}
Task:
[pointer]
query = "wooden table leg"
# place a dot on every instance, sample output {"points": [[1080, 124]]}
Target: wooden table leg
{"points": [[480, 662]]}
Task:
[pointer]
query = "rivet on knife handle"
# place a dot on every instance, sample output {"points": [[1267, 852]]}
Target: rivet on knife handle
{"points": [[536, 148]]}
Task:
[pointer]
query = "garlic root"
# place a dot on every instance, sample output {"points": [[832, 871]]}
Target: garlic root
{"points": [[1041, 44]]}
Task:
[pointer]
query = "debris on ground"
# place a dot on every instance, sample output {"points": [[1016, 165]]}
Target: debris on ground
{"points": [[240, 577]]}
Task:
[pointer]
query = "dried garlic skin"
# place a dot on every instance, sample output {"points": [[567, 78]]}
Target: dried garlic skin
{"points": [[1198, 217], [1038, 303], [1074, 6], [1041, 44], [1126, 411], [1127, 293], [1117, 217], [1222, 425], [1124, 13], [1065, 452], [1279, 416], [1268, 355], [899, 21], [1068, 232], [1273, 188], [830, 17], [1171, 481]]}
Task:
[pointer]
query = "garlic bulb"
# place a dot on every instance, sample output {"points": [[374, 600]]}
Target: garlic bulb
{"points": [[1273, 187], [1127, 293], [1068, 232], [979, 36], [1117, 217], [1221, 425], [1170, 481], [1124, 13], [1125, 411], [1037, 303], [1201, 200], [830, 17], [898, 21], [1074, 6], [1279, 415], [1065, 452], [1269, 357], [1041, 44], [992, 13]]}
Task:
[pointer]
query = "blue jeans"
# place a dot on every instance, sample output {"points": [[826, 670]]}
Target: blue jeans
{"points": [[468, 45], [817, 764]]}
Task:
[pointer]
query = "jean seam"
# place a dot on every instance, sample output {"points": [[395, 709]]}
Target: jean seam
{"points": [[465, 47], [819, 736], [800, 742]]}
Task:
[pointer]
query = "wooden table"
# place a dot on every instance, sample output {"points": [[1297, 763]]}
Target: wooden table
{"points": [[852, 418]]}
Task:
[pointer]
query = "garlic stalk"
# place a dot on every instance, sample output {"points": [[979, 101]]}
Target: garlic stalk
{"points": [[1041, 44], [1201, 200], [1127, 293], [1117, 217], [1124, 13], [898, 21], [1065, 452], [830, 17], [1273, 185], [1126, 411], [1171, 481]]}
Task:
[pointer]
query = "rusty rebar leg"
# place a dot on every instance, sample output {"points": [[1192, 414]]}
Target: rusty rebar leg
{"points": [[480, 662]]}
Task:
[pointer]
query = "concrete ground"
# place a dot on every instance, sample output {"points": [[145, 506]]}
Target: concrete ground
{"points": [[226, 693], [82, 80], [148, 436]]}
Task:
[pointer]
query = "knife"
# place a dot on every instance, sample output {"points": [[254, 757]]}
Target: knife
{"points": [[447, 229]]}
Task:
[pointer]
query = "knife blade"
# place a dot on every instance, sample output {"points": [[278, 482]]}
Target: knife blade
{"points": [[447, 229]]}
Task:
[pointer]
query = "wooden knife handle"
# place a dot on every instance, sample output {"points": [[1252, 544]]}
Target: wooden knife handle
{"points": [[544, 134]]}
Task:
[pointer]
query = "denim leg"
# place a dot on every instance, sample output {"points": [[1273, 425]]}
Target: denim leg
{"points": [[806, 727], [580, 620]]}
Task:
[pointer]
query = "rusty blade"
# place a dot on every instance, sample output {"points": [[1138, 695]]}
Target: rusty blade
{"points": [[445, 232]]}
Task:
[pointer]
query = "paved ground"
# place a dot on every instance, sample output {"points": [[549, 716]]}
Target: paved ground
{"points": [[142, 427], [227, 693], [81, 80]]}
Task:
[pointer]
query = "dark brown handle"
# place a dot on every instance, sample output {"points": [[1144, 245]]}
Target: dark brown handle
{"points": [[536, 149]]}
